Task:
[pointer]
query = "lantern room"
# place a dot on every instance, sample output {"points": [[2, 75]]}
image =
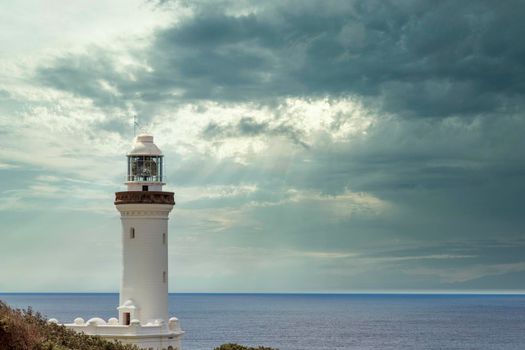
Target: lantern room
{"points": [[145, 165]]}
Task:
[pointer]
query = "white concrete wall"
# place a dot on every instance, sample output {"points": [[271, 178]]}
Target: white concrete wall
{"points": [[137, 186], [145, 260]]}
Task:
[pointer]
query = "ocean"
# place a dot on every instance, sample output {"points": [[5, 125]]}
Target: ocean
{"points": [[320, 321]]}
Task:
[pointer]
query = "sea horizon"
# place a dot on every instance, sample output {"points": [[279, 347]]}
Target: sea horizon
{"points": [[316, 321], [481, 292]]}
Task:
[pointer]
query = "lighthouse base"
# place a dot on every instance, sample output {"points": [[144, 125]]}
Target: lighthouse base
{"points": [[158, 336]]}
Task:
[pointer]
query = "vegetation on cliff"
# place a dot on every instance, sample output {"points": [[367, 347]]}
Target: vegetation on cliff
{"points": [[240, 347], [28, 330]]}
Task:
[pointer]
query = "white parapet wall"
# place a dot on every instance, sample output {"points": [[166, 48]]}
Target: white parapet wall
{"points": [[151, 336]]}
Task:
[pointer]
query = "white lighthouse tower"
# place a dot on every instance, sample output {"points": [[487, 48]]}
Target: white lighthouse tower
{"points": [[144, 209]]}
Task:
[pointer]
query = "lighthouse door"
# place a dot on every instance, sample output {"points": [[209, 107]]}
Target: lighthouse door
{"points": [[127, 319]]}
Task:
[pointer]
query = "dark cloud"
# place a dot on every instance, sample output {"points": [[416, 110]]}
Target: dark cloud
{"points": [[415, 58], [4, 94], [116, 125], [249, 127], [444, 180], [445, 79], [83, 75]]}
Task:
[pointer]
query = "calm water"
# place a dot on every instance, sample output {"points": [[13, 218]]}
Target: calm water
{"points": [[320, 322]]}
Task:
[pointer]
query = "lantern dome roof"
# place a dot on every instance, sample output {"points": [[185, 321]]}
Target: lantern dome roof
{"points": [[144, 146]]}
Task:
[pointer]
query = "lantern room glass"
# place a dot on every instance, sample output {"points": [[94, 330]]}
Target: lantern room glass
{"points": [[145, 168]]}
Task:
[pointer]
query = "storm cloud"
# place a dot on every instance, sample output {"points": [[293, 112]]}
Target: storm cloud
{"points": [[417, 59], [341, 145]]}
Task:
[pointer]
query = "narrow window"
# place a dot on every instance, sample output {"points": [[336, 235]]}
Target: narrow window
{"points": [[127, 318], [144, 188], [163, 238], [132, 233], [164, 277]]}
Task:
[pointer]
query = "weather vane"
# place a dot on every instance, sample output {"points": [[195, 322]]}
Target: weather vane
{"points": [[135, 124]]}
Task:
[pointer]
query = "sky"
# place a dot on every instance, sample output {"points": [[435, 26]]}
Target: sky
{"points": [[313, 146]]}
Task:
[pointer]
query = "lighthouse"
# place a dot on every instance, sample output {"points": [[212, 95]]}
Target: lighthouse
{"points": [[143, 302], [144, 210]]}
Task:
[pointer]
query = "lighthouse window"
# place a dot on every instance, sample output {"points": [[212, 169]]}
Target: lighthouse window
{"points": [[145, 168], [164, 277], [163, 238], [132, 233]]}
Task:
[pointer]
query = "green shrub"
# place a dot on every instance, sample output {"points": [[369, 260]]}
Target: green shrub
{"points": [[240, 347], [26, 330]]}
